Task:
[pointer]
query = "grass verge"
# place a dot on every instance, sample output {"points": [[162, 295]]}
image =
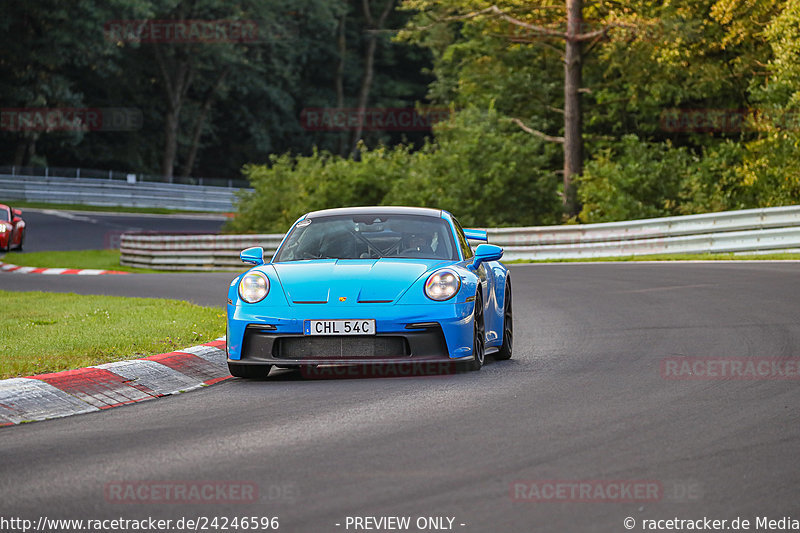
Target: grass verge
{"points": [[99, 259], [670, 257], [19, 204], [46, 332]]}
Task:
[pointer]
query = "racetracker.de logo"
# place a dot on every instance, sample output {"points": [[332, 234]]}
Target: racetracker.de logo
{"points": [[731, 368], [181, 31], [70, 119], [206, 492], [587, 491], [371, 119], [726, 120], [388, 370]]}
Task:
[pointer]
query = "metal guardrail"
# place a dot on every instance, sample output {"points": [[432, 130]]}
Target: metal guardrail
{"points": [[191, 252], [751, 241], [748, 219], [92, 191], [72, 172], [751, 230]]}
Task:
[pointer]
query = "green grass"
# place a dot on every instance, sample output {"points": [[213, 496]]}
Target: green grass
{"points": [[671, 257], [47, 332], [99, 259], [19, 204]]}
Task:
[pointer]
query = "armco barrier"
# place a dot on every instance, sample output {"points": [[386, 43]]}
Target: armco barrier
{"points": [[651, 228], [93, 191], [191, 252], [751, 230]]}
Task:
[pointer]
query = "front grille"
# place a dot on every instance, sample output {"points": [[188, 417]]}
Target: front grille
{"points": [[339, 347]]}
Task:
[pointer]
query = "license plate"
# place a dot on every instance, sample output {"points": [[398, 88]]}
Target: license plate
{"points": [[339, 327]]}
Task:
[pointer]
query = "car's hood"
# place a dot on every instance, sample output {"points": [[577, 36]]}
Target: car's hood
{"points": [[355, 280]]}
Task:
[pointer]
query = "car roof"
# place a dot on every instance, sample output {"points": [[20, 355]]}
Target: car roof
{"points": [[378, 210]]}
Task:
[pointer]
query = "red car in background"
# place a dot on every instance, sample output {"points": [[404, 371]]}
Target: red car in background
{"points": [[12, 228]]}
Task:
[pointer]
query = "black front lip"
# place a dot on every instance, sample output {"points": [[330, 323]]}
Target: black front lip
{"points": [[364, 361]]}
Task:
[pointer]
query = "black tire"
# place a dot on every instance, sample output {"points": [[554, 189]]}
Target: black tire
{"points": [[478, 337], [249, 371], [508, 327]]}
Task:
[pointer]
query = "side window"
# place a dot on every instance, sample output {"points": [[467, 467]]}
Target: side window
{"points": [[462, 240]]}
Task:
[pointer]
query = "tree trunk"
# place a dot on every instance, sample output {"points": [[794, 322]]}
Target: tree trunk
{"points": [[20, 152], [199, 123], [366, 85], [176, 74], [573, 140], [341, 45], [369, 63], [170, 144]]}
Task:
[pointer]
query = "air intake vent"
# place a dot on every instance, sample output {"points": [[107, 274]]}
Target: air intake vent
{"points": [[340, 347]]}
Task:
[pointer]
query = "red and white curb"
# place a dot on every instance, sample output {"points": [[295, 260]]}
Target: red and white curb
{"points": [[7, 267], [90, 389]]}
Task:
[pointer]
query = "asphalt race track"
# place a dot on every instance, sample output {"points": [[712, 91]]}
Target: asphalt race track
{"points": [[48, 229], [583, 399]]}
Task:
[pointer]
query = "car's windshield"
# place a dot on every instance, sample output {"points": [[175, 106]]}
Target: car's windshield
{"points": [[369, 236], [4, 216]]}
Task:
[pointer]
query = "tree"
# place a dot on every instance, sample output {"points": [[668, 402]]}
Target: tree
{"points": [[533, 24], [194, 73], [772, 164], [45, 43], [452, 172], [373, 26]]}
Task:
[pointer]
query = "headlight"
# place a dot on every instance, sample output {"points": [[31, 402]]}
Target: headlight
{"points": [[253, 287], [442, 285]]}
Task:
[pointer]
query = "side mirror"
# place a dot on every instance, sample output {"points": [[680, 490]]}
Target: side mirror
{"points": [[17, 213], [486, 252], [253, 256]]}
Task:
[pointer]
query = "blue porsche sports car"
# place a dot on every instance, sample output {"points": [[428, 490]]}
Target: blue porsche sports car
{"points": [[370, 285]]}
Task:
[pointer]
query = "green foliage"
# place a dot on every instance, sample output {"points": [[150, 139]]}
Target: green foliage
{"points": [[641, 179], [771, 166], [291, 185], [714, 182], [482, 169], [652, 57], [636, 179], [46, 47], [705, 54], [55, 54]]}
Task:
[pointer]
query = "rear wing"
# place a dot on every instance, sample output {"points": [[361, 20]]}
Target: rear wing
{"points": [[476, 235]]}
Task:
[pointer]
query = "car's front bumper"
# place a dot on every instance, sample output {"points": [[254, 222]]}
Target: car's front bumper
{"points": [[404, 334]]}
